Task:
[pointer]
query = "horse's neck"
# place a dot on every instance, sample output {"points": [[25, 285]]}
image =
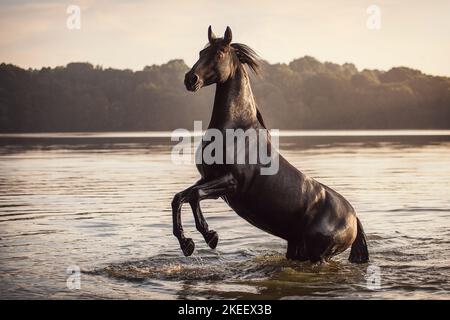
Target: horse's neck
{"points": [[234, 104]]}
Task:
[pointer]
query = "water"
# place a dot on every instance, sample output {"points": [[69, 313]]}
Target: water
{"points": [[102, 202]]}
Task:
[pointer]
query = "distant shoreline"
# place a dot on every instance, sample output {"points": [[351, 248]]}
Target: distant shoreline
{"points": [[305, 93]]}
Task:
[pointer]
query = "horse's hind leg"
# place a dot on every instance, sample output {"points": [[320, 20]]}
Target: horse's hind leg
{"points": [[296, 251], [320, 248], [211, 236], [291, 250]]}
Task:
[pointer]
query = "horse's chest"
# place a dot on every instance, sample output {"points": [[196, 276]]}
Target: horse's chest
{"points": [[210, 160], [210, 171]]}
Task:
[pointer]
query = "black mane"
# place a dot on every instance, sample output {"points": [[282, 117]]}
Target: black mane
{"points": [[247, 55]]}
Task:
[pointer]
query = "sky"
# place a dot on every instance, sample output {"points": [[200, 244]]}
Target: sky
{"points": [[136, 33]]}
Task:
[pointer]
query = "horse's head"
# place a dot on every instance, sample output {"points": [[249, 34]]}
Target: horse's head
{"points": [[215, 64]]}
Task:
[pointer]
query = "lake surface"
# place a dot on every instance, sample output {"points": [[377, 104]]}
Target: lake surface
{"points": [[101, 202]]}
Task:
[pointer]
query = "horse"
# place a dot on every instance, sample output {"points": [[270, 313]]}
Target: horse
{"points": [[316, 221]]}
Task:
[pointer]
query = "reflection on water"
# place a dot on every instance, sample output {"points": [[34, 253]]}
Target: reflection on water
{"points": [[103, 203]]}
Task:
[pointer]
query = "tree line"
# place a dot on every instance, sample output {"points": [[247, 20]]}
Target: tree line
{"points": [[304, 94]]}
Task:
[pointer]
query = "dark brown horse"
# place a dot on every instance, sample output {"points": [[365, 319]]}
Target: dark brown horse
{"points": [[316, 221]]}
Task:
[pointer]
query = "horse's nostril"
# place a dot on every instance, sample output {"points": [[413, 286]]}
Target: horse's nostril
{"points": [[193, 78]]}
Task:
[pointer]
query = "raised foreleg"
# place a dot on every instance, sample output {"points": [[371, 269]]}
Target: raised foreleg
{"points": [[202, 190]]}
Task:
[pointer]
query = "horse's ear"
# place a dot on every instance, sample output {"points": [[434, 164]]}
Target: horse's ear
{"points": [[211, 35], [228, 36]]}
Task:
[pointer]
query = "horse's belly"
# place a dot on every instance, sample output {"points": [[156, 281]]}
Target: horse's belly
{"points": [[277, 222]]}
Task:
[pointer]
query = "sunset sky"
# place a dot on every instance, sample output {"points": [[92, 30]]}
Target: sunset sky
{"points": [[135, 33]]}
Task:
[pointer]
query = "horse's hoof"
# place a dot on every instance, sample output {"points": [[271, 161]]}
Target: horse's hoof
{"points": [[211, 239], [187, 246]]}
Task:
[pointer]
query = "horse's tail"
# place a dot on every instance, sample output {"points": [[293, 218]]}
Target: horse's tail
{"points": [[359, 252]]}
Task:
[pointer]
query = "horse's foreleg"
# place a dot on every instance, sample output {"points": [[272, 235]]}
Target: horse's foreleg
{"points": [[202, 190], [212, 189], [211, 236], [186, 244]]}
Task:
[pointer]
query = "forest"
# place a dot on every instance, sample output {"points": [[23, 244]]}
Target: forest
{"points": [[304, 94]]}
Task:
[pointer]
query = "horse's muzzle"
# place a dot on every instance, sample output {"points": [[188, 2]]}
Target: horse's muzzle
{"points": [[192, 81]]}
